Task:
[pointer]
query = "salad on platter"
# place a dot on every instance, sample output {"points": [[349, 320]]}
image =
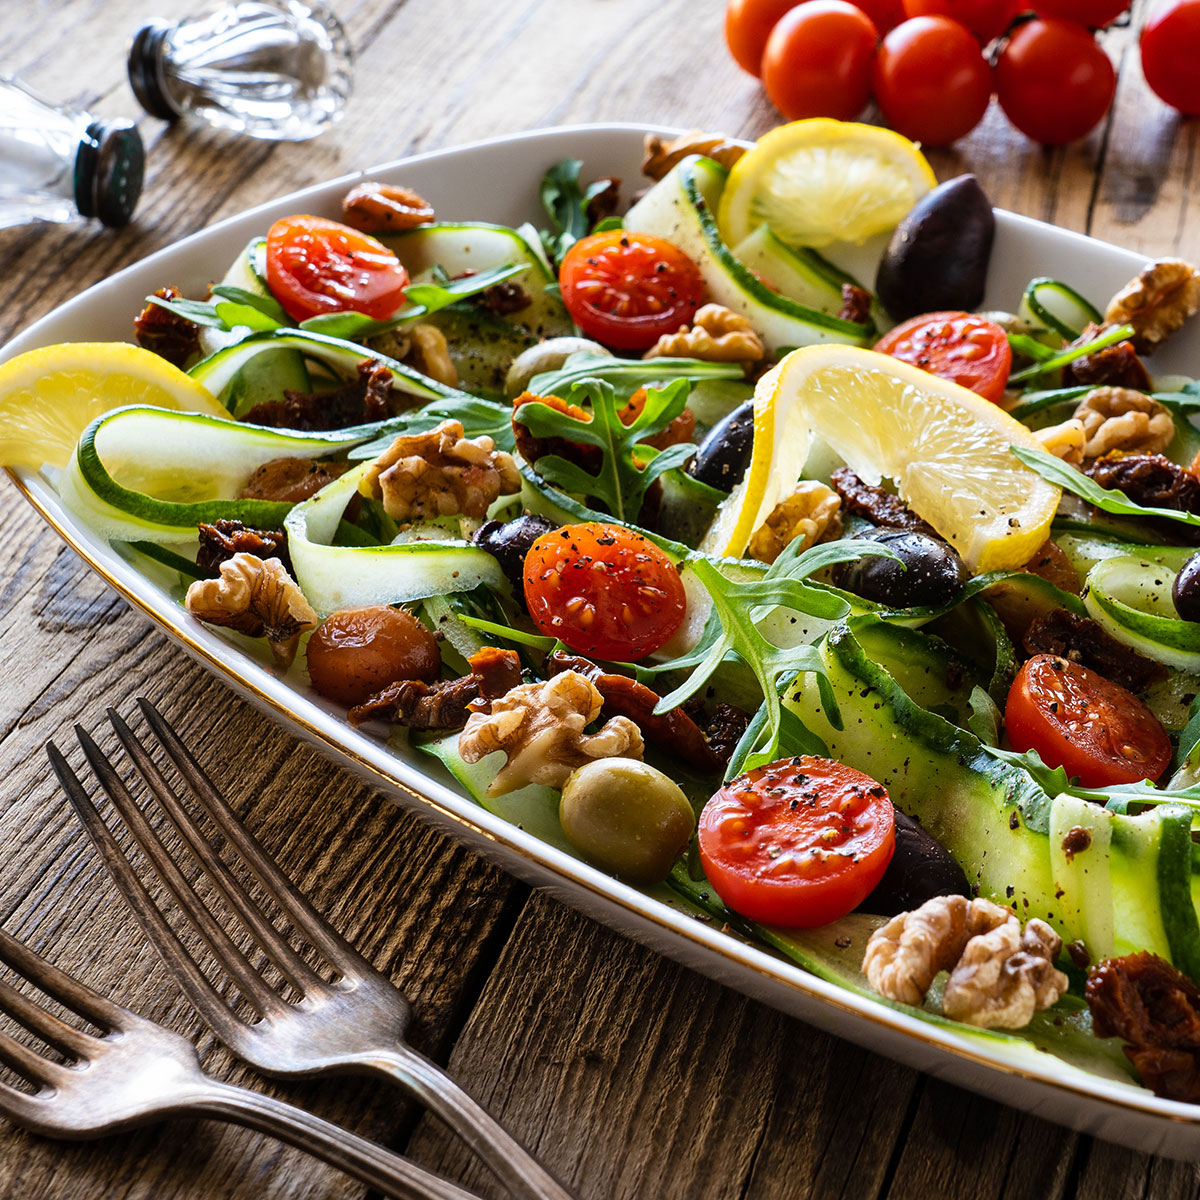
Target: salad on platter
{"points": [[717, 537]]}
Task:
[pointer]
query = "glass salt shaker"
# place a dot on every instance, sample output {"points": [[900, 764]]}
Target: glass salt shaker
{"points": [[60, 164], [273, 69]]}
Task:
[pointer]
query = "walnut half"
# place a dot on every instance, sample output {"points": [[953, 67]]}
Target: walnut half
{"points": [[258, 598], [1000, 975], [717, 334], [540, 727], [660, 155], [1164, 295], [440, 473], [1118, 418], [810, 513]]}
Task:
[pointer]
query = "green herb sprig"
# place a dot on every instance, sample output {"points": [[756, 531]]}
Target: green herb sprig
{"points": [[566, 204], [628, 467], [731, 630]]}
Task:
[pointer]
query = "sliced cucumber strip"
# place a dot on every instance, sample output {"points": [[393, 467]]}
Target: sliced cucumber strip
{"points": [[680, 208], [789, 272], [334, 577], [1131, 597], [1054, 305], [149, 474], [219, 371]]}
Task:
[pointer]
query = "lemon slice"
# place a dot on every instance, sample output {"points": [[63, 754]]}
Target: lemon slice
{"points": [[945, 449], [49, 396], [819, 181]]}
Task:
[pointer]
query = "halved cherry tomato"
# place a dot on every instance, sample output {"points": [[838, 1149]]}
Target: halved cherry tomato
{"points": [[957, 346], [603, 590], [1082, 722], [317, 266], [799, 842], [628, 289]]}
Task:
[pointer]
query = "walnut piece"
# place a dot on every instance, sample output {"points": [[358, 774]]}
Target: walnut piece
{"points": [[660, 155], [810, 513], [384, 208], [540, 727], [1157, 302], [429, 352], [1117, 418], [1065, 440], [1000, 975], [1005, 976], [258, 598], [440, 473], [717, 334]]}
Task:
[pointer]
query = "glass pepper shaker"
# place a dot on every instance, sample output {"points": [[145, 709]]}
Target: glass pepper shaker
{"points": [[273, 69], [60, 164]]}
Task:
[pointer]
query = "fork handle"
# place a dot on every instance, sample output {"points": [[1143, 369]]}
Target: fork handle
{"points": [[513, 1165], [363, 1160]]}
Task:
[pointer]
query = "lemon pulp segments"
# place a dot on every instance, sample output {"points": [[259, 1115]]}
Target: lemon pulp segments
{"points": [[49, 396], [945, 448], [819, 181]]}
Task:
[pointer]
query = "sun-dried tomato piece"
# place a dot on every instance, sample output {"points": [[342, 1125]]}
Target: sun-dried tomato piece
{"points": [[1154, 1007]]}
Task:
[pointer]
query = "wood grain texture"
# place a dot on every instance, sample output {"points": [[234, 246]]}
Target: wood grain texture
{"points": [[629, 1075]]}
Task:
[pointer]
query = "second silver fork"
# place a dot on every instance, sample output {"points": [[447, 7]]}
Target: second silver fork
{"points": [[354, 1024]]}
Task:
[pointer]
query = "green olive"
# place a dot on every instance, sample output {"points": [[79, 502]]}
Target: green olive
{"points": [[546, 356], [627, 817]]}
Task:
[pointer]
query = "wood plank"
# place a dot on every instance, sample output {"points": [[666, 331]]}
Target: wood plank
{"points": [[632, 1077]]}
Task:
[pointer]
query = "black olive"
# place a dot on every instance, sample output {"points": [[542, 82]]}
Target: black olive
{"points": [[920, 868], [724, 455], [929, 573], [508, 544], [938, 256], [1185, 591]]}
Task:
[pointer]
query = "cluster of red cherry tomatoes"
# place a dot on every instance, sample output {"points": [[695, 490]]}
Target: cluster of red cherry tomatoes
{"points": [[932, 65]]}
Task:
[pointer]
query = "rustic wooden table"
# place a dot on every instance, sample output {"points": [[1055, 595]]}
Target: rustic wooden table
{"points": [[629, 1076]]}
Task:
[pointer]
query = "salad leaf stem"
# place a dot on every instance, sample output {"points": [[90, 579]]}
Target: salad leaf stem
{"points": [[1108, 500], [1109, 337]]}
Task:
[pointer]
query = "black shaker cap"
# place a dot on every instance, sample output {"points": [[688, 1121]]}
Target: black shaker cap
{"points": [[109, 168]]}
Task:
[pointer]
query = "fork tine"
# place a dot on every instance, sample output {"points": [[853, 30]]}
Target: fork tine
{"points": [[195, 983], [45, 1024], [218, 941], [30, 1064], [293, 966], [306, 918]]}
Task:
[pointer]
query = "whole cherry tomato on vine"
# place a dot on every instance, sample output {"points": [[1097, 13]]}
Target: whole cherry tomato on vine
{"points": [[986, 19], [817, 62], [748, 24], [1171, 55], [932, 82], [1053, 81]]}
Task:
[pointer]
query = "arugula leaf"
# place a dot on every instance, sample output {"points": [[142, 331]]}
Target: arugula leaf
{"points": [[628, 468], [268, 311], [566, 204], [424, 299], [731, 630], [477, 416], [196, 311], [1056, 471], [1054, 781], [984, 721]]}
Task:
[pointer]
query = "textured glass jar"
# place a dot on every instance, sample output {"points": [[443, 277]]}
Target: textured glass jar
{"points": [[60, 164], [273, 69]]}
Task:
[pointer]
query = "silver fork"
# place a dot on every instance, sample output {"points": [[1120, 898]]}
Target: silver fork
{"points": [[138, 1072], [354, 1024]]}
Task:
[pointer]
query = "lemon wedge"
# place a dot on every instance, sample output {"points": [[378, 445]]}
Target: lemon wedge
{"points": [[819, 181], [945, 449], [49, 396]]}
